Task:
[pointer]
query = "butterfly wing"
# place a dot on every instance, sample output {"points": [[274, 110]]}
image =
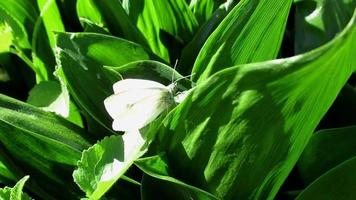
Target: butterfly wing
{"points": [[136, 103]]}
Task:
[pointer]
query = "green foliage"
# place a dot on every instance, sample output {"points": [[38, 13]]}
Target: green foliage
{"points": [[243, 124], [15, 193]]}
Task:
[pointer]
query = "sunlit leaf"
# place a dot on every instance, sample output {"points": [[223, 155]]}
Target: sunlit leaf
{"points": [[239, 133], [251, 32]]}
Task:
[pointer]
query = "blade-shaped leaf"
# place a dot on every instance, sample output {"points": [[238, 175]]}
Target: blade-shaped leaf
{"points": [[239, 133], [43, 40], [318, 21], [191, 50], [42, 143], [338, 183], [326, 149], [112, 15], [204, 9], [158, 19], [154, 188], [251, 32], [82, 57]]}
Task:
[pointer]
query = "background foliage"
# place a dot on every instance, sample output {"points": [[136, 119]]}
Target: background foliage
{"points": [[270, 113]]}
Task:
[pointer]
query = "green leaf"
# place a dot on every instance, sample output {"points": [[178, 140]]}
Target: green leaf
{"points": [[15, 193], [204, 9], [20, 16], [191, 50], [104, 163], [49, 96], [251, 32], [318, 21], [158, 19], [157, 167], [43, 41], [112, 15], [89, 15], [82, 56], [239, 133], [6, 36], [52, 143], [338, 183], [153, 70], [326, 149]]}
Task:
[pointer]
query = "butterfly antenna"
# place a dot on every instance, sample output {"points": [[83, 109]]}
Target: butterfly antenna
{"points": [[174, 67], [184, 77]]}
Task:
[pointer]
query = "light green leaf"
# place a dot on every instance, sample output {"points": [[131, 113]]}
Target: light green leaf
{"points": [[318, 21], [111, 15], [43, 40], [239, 133], [157, 167], [49, 96], [104, 163], [251, 32], [20, 16], [338, 183], [158, 19], [53, 144], [326, 149], [204, 9], [82, 56], [15, 193], [6, 37]]}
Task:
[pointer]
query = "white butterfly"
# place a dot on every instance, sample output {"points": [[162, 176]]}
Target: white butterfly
{"points": [[137, 102]]}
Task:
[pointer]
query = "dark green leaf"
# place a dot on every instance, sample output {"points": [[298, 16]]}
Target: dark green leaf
{"points": [[326, 149], [318, 21], [239, 133], [166, 186], [42, 143], [204, 9], [251, 32], [82, 57], [338, 183], [191, 50], [161, 21]]}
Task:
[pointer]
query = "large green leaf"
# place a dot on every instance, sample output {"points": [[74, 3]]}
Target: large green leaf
{"points": [[43, 144], [326, 149], [251, 32], [82, 56], [162, 185], [318, 21], [163, 22], [239, 133], [338, 183]]}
